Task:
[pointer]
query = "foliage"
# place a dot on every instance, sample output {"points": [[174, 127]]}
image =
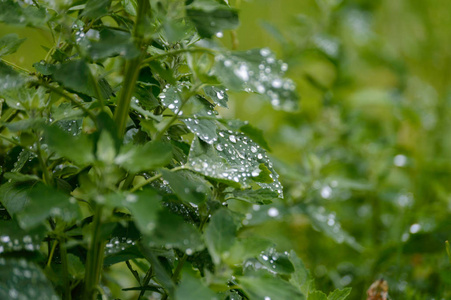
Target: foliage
{"points": [[114, 157]]}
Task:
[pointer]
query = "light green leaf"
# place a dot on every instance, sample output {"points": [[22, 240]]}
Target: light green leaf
{"points": [[77, 149], [189, 187], [317, 295], [137, 158], [191, 288], [220, 234], [246, 248], [260, 72], [130, 6], [267, 286], [106, 151], [10, 43], [301, 276], [26, 98], [144, 206], [339, 294], [210, 17], [22, 279], [47, 202], [9, 78]]}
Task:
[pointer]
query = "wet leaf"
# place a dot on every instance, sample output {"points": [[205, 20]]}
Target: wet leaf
{"points": [[21, 279], [10, 43], [258, 71], [220, 234], [255, 134], [96, 8], [112, 43], [217, 94], [210, 17], [14, 196], [9, 78], [191, 288], [11, 12], [246, 248], [14, 238], [234, 158], [45, 202], [276, 262], [301, 276], [260, 196], [189, 187]]}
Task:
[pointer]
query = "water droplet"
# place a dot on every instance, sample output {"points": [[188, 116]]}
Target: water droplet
{"points": [[326, 192], [219, 34], [277, 83], [220, 95], [273, 212], [265, 52], [415, 228], [253, 149], [219, 147], [171, 106], [232, 138], [242, 72], [259, 156], [400, 160], [131, 198]]}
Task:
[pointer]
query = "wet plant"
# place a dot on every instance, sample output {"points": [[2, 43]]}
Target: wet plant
{"points": [[115, 159]]}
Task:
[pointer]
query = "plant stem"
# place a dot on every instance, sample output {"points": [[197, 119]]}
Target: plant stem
{"points": [[146, 282], [131, 72], [179, 51], [64, 264], [94, 261], [52, 251]]}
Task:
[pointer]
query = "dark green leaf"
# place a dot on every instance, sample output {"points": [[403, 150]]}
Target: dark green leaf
{"points": [[260, 196], [21, 279], [189, 187], [14, 238], [276, 262], [14, 196], [112, 43], [258, 71], [192, 288], [45, 202], [77, 149], [255, 134], [246, 248], [210, 17], [339, 294], [9, 78], [11, 12], [96, 8], [268, 286], [19, 177], [9, 44], [144, 206], [220, 234], [136, 158], [317, 295]]}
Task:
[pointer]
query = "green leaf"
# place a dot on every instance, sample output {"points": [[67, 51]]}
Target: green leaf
{"points": [[145, 207], [106, 150], [14, 238], [172, 231], [301, 276], [10, 43], [220, 234], [234, 158], [19, 177], [137, 158], [11, 12], [26, 124], [217, 94], [96, 8], [21, 279], [77, 76], [246, 248], [260, 196], [77, 149], [255, 134], [189, 187], [258, 71], [276, 262], [267, 286], [191, 288], [210, 17], [14, 196], [130, 6], [326, 222], [112, 43], [339, 294], [27, 98], [317, 295], [9, 78], [47, 202]]}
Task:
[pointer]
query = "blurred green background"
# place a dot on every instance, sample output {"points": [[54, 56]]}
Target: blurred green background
{"points": [[366, 162]]}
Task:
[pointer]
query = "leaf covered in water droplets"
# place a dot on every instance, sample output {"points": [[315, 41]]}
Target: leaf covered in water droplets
{"points": [[14, 238], [202, 122], [260, 72], [189, 187], [234, 158], [260, 196], [21, 279], [217, 94]]}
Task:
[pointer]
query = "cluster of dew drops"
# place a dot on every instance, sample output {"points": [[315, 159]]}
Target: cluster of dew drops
{"points": [[27, 242]]}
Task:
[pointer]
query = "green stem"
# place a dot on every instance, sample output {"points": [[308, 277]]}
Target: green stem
{"points": [[15, 66], [179, 51], [145, 282], [65, 268], [153, 178], [52, 251], [94, 261], [131, 72], [48, 179]]}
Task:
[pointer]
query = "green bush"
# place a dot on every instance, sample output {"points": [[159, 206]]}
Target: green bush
{"points": [[114, 157]]}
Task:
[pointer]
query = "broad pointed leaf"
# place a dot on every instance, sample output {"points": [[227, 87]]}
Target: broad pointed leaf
{"points": [[10, 43], [220, 234], [192, 288]]}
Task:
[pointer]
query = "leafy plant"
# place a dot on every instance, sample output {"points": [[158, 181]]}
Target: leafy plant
{"points": [[115, 157]]}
